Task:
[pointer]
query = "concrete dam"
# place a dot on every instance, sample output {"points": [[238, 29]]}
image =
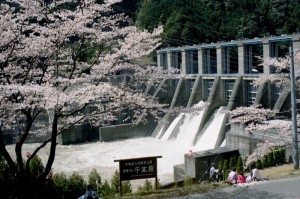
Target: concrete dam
{"points": [[222, 75], [219, 74]]}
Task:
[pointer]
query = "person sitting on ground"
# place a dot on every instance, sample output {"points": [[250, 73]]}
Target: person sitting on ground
{"points": [[220, 175], [241, 178], [256, 174], [232, 176], [90, 193], [248, 179]]}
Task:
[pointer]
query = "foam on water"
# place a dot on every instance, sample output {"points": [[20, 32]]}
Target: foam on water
{"points": [[82, 158]]}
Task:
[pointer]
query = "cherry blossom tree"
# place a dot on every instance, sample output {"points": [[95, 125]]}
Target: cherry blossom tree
{"points": [[63, 64], [258, 119]]}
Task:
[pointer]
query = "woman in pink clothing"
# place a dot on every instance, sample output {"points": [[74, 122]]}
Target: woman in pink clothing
{"points": [[241, 178]]}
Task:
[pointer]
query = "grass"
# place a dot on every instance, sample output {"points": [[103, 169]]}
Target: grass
{"points": [[173, 192], [272, 173]]}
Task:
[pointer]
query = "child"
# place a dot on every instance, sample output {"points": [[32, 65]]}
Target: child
{"points": [[241, 178]]}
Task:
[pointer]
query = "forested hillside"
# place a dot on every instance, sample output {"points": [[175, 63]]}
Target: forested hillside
{"points": [[188, 22]]}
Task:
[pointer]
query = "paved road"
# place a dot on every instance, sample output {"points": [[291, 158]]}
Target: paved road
{"points": [[274, 189]]}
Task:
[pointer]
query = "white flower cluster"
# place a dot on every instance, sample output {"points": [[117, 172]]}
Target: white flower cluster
{"points": [[64, 63]]}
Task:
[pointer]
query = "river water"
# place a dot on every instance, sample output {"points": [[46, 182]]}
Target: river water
{"points": [[82, 158]]}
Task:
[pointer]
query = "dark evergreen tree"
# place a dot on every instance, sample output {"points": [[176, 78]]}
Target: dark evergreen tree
{"points": [[239, 165], [226, 168], [232, 163], [271, 159], [277, 159], [265, 162], [258, 164]]}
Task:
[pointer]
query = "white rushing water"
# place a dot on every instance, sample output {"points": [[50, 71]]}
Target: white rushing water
{"points": [[188, 130], [82, 158], [209, 137], [172, 126]]}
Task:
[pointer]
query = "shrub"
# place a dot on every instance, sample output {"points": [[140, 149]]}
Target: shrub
{"points": [[282, 155], [147, 186], [231, 163], [239, 165], [115, 183], [76, 185], [265, 162], [226, 173], [7, 181], [220, 166], [271, 158], [277, 157], [225, 166], [60, 183], [258, 164], [94, 179], [126, 187], [106, 190], [188, 181], [36, 166]]}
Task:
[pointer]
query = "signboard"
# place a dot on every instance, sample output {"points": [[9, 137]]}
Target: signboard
{"points": [[138, 168]]}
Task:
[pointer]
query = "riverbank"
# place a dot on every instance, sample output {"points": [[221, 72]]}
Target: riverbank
{"points": [[277, 172], [272, 173]]}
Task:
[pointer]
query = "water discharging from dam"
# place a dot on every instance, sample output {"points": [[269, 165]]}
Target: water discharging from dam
{"points": [[82, 158]]}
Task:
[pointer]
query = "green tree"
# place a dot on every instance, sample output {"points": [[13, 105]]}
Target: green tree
{"points": [[231, 163], [94, 179], [147, 187], [271, 158], [277, 158], [239, 165], [220, 166], [106, 190], [36, 166], [225, 165], [265, 162], [226, 169], [60, 183], [282, 155], [76, 185], [126, 187], [258, 164], [115, 182]]}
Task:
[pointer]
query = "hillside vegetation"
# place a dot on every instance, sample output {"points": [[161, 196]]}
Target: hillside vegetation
{"points": [[188, 22]]}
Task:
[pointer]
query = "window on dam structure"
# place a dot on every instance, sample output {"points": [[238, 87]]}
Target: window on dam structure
{"points": [[252, 52], [229, 83], [230, 61], [251, 92], [163, 60], [276, 90], [279, 48], [208, 84], [209, 60], [176, 59], [191, 83], [191, 60]]}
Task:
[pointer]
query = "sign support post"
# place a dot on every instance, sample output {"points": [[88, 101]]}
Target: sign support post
{"points": [[138, 168]]}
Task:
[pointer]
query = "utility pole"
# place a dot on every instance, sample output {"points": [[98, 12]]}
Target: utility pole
{"points": [[294, 114]]}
